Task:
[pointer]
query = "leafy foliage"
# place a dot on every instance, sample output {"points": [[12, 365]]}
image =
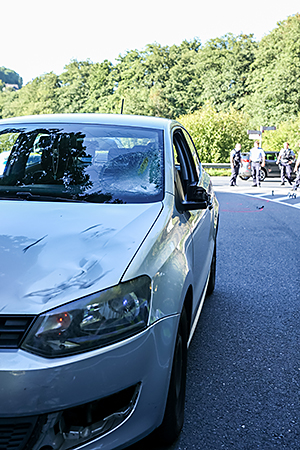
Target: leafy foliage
{"points": [[288, 131], [10, 76], [7, 141], [223, 66], [274, 83], [215, 134]]}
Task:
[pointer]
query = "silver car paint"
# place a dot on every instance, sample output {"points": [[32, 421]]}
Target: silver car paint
{"points": [[55, 253], [195, 243]]}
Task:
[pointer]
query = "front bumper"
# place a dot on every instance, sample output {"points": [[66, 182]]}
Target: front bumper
{"points": [[134, 372]]}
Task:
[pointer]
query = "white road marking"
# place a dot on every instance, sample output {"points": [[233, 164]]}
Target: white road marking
{"points": [[267, 193]]}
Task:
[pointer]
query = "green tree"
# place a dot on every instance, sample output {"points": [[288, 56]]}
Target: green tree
{"points": [[227, 74], [183, 89], [141, 78], [275, 80], [100, 88], [10, 76], [223, 67], [74, 86], [40, 96], [127, 82]]}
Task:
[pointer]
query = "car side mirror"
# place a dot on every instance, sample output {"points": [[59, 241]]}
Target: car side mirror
{"points": [[197, 193], [197, 198], [192, 206]]}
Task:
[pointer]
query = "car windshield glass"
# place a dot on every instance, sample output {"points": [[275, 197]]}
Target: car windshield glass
{"points": [[78, 162], [271, 156]]}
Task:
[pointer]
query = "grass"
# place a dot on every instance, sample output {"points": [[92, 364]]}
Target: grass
{"points": [[219, 172]]}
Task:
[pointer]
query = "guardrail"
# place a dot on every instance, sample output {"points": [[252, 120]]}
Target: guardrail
{"points": [[216, 165]]}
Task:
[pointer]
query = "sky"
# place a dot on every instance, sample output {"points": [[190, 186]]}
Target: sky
{"points": [[42, 36]]}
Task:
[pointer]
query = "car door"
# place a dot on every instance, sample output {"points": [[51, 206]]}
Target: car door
{"points": [[188, 174], [271, 165]]}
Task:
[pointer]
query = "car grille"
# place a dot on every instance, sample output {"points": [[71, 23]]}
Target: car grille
{"points": [[15, 433], [12, 330]]}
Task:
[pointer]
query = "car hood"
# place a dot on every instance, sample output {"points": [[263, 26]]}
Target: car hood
{"points": [[53, 253]]}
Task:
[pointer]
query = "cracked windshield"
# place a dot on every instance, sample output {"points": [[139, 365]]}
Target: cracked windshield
{"points": [[99, 164]]}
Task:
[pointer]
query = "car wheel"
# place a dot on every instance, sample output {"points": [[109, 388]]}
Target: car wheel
{"points": [[262, 175], [212, 273], [172, 423], [244, 177]]}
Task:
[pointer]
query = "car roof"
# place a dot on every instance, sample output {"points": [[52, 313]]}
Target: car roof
{"points": [[92, 118]]}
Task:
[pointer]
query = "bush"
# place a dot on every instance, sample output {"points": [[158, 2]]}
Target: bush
{"points": [[216, 133], [285, 132]]}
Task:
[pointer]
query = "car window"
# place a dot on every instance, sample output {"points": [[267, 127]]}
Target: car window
{"points": [[3, 160], [102, 164], [193, 151], [271, 156], [184, 160]]}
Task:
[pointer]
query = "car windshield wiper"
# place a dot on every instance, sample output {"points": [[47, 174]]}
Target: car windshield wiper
{"points": [[26, 195]]}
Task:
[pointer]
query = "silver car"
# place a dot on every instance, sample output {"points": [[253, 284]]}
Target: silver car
{"points": [[107, 251]]}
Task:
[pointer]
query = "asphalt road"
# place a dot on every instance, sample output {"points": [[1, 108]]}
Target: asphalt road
{"points": [[244, 360]]}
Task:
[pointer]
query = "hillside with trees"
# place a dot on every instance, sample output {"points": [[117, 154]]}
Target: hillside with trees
{"points": [[218, 89], [10, 77]]}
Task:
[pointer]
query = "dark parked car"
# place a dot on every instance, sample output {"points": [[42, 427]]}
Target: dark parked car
{"points": [[271, 169]]}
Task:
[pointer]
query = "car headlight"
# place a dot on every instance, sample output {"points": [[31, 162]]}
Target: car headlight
{"points": [[92, 322]]}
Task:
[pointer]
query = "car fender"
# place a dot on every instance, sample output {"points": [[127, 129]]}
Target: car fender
{"points": [[166, 256]]}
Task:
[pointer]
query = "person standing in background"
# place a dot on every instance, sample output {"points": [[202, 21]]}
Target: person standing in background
{"points": [[297, 170], [235, 162], [257, 159], [285, 159]]}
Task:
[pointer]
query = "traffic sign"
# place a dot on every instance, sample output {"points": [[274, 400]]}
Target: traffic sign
{"points": [[255, 136], [253, 132], [268, 129]]}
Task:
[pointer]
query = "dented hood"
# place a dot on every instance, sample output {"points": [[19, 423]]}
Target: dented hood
{"points": [[53, 253]]}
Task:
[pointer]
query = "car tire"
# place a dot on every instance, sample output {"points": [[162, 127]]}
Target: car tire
{"points": [[173, 419], [212, 272], [262, 175], [244, 177]]}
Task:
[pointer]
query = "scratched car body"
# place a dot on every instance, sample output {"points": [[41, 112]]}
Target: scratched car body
{"points": [[107, 250]]}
